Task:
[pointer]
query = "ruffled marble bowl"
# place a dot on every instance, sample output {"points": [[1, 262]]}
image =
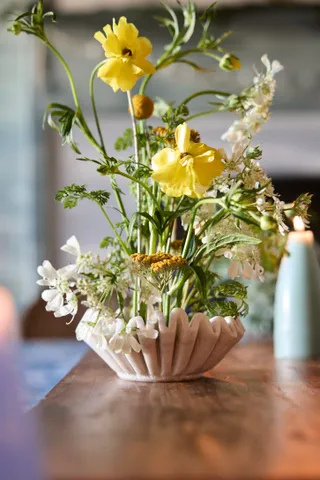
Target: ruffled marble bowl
{"points": [[183, 350]]}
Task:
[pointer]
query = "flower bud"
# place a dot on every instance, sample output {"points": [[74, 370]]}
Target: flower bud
{"points": [[142, 106], [16, 28], [229, 62], [267, 223]]}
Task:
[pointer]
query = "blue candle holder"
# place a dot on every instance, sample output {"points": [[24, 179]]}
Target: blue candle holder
{"points": [[297, 300]]}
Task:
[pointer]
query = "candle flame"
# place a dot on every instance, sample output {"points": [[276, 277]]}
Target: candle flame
{"points": [[298, 224]]}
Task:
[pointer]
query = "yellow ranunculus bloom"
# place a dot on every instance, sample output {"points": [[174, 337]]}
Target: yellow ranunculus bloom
{"points": [[126, 53], [187, 169]]}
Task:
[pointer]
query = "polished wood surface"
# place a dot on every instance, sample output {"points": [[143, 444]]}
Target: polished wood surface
{"points": [[252, 417]]}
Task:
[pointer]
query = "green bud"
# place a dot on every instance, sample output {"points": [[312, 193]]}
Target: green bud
{"points": [[16, 28], [229, 62], [290, 213], [267, 223], [254, 153]]}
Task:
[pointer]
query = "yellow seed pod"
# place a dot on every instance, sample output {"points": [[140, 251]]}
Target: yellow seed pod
{"points": [[142, 106]]}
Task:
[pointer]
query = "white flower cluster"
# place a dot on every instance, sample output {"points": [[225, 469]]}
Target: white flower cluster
{"points": [[244, 262], [119, 335], [89, 277], [256, 103]]}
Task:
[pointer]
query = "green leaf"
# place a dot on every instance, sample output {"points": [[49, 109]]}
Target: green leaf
{"points": [[225, 241], [99, 196], [62, 119], [124, 142], [192, 247], [70, 195], [106, 242], [222, 308], [201, 280], [156, 222], [103, 170]]}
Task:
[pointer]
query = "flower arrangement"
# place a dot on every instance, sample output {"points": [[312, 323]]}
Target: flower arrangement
{"points": [[224, 200]]}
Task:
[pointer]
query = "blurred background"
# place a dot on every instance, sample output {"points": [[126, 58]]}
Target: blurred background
{"points": [[33, 165]]}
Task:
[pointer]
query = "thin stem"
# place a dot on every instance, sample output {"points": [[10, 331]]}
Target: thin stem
{"points": [[192, 218], [201, 114], [143, 185], [124, 246], [82, 123], [166, 307], [136, 153], [93, 102], [68, 72], [205, 92]]}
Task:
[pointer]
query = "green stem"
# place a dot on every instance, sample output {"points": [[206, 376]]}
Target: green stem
{"points": [[124, 246], [68, 72], [93, 102], [192, 218], [143, 185], [201, 114], [188, 298], [204, 92], [166, 307], [136, 306]]}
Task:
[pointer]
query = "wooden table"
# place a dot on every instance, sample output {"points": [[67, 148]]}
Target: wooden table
{"points": [[251, 417]]}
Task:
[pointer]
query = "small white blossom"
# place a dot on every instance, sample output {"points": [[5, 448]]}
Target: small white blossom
{"points": [[256, 104], [60, 286], [72, 246], [124, 340], [246, 270]]}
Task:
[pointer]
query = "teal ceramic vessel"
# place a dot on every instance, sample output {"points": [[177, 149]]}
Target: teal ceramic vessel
{"points": [[297, 301]]}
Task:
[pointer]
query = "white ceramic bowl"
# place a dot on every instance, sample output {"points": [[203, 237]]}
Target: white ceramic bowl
{"points": [[183, 350]]}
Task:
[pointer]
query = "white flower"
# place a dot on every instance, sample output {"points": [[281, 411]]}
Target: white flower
{"points": [[246, 270], [234, 162], [72, 246], [256, 103], [124, 341], [91, 327], [278, 215], [272, 68], [69, 308], [59, 286]]}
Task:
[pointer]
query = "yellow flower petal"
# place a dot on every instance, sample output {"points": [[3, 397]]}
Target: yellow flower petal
{"points": [[146, 66], [183, 137], [182, 180], [109, 73], [127, 33], [143, 47], [118, 74], [162, 158], [188, 169], [206, 170], [100, 37]]}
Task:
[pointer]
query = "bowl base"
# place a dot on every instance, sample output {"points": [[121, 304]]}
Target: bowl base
{"points": [[131, 377]]}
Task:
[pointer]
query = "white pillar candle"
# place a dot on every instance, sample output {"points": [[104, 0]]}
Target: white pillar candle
{"points": [[297, 299]]}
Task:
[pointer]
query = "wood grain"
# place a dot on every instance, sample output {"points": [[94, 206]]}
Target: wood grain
{"points": [[251, 417]]}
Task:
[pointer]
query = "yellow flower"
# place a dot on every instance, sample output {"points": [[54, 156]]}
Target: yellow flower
{"points": [[187, 169], [126, 53]]}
